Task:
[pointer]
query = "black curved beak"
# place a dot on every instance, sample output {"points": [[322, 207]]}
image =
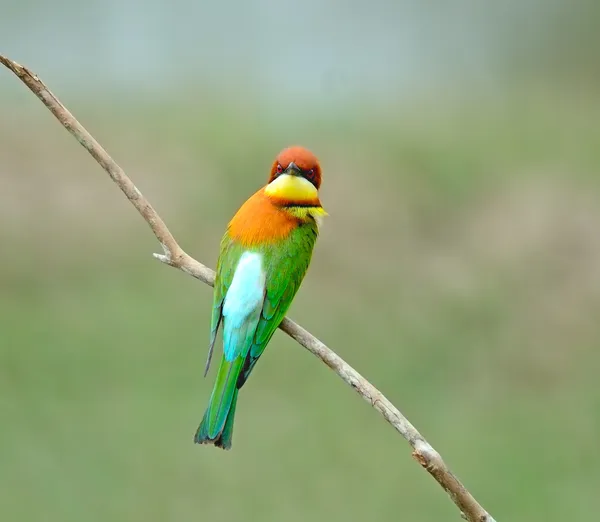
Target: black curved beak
{"points": [[293, 169]]}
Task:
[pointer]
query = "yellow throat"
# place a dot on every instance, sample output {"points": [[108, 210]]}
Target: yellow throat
{"points": [[295, 189]]}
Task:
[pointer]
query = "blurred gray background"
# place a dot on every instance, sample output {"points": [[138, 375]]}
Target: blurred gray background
{"points": [[459, 269]]}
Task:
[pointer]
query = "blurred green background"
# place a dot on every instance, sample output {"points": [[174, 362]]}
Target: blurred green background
{"points": [[459, 269]]}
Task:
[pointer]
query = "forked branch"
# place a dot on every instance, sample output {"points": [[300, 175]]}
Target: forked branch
{"points": [[174, 256]]}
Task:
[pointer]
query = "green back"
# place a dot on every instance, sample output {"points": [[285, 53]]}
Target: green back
{"points": [[285, 263]]}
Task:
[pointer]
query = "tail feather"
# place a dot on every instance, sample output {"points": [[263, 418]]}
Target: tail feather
{"points": [[222, 439], [227, 433], [217, 423]]}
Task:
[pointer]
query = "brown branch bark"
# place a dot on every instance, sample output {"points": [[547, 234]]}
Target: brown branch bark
{"points": [[174, 256]]}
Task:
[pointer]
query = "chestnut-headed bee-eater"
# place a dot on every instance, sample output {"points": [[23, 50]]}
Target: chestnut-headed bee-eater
{"points": [[265, 253]]}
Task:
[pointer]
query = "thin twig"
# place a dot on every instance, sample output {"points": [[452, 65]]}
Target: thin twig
{"points": [[174, 256]]}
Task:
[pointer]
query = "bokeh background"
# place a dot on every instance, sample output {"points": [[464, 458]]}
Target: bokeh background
{"points": [[459, 269]]}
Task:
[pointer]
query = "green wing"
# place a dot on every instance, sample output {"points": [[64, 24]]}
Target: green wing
{"points": [[217, 423], [286, 266], [229, 257]]}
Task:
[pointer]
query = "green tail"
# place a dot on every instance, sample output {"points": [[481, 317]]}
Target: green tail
{"points": [[217, 424]]}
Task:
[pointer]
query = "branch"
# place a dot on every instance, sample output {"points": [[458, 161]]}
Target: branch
{"points": [[173, 255]]}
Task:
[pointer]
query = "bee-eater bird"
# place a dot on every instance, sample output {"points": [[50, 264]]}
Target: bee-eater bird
{"points": [[265, 253]]}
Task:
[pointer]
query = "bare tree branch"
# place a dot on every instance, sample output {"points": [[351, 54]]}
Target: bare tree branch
{"points": [[174, 256]]}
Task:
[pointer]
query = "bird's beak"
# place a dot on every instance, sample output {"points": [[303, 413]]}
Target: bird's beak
{"points": [[293, 169]]}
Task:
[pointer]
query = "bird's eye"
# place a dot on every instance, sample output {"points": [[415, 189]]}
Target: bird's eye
{"points": [[310, 174], [279, 169]]}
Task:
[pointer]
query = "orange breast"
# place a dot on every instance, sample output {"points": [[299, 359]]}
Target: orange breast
{"points": [[259, 221]]}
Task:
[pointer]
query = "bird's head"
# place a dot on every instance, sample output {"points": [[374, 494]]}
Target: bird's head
{"points": [[295, 177]]}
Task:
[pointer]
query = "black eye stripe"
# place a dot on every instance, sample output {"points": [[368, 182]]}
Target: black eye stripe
{"points": [[310, 175]]}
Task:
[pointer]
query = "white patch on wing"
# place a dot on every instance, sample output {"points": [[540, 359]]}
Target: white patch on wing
{"points": [[243, 301]]}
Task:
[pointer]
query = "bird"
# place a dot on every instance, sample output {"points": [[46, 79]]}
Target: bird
{"points": [[264, 255]]}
